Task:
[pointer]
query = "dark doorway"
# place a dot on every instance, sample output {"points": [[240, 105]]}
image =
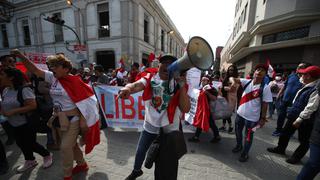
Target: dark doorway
{"points": [[145, 58], [106, 59]]}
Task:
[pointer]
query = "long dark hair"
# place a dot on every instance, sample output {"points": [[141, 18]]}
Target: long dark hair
{"points": [[16, 75], [225, 81]]}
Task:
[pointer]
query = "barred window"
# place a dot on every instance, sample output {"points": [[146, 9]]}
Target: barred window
{"points": [[26, 32], [286, 35]]}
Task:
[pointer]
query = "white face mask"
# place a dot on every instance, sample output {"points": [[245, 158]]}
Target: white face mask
{"points": [[301, 80]]}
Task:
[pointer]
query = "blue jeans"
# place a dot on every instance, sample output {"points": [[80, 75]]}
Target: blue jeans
{"points": [[240, 123], [312, 168], [144, 143]]}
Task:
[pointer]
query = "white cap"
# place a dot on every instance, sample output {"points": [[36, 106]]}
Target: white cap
{"points": [[278, 78]]}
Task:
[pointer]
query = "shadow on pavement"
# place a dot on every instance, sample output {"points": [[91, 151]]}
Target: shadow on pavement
{"points": [[260, 162], [120, 145]]}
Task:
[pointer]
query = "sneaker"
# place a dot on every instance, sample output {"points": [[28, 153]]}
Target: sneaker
{"points": [[4, 167], [230, 129], [194, 139], [236, 149], [243, 157], [293, 160], [276, 150], [80, 168], [276, 133], [215, 139], [47, 161], [222, 128], [28, 164], [134, 174]]}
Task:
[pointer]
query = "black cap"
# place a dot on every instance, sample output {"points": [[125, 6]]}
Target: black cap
{"points": [[167, 57]]}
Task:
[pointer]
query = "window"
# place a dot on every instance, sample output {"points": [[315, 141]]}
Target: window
{"points": [[26, 32], [170, 46], [241, 18], [146, 28], [5, 42], [162, 40], [104, 20], [245, 13], [58, 32], [286, 35]]}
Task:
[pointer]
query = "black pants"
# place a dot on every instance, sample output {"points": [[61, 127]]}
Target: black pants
{"points": [[166, 165], [224, 121], [3, 157], [304, 134], [25, 137], [8, 129], [213, 127]]}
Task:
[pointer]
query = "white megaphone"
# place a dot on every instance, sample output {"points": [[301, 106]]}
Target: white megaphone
{"points": [[198, 54]]}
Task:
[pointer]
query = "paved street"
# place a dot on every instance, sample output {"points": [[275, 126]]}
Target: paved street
{"points": [[113, 159]]}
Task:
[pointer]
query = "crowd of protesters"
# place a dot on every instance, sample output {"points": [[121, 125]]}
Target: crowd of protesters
{"points": [[293, 99]]}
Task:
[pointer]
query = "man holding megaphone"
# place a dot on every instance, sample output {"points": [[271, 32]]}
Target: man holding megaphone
{"points": [[163, 109]]}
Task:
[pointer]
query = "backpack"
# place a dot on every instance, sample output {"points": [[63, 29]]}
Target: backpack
{"points": [[35, 118]]}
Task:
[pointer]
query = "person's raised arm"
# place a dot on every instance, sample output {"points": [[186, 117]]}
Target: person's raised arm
{"points": [[28, 64]]}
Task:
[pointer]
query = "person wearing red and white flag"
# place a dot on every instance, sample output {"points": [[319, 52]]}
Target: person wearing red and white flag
{"points": [[78, 112], [252, 108], [271, 72], [163, 109]]}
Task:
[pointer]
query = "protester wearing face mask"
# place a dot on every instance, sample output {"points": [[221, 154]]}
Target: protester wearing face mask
{"points": [[300, 116], [286, 95]]}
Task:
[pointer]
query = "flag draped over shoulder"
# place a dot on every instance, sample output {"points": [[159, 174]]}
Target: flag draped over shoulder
{"points": [[201, 119], [199, 113], [84, 98]]}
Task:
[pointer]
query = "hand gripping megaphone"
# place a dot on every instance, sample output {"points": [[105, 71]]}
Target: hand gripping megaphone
{"points": [[198, 54]]}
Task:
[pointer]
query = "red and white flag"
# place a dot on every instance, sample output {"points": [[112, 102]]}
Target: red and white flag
{"points": [[199, 113], [84, 98], [271, 71]]}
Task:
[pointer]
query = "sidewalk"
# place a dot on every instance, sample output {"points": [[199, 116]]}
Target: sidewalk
{"points": [[113, 159]]}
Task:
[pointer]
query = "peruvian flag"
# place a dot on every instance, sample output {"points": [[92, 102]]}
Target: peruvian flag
{"points": [[271, 71], [84, 98], [199, 113], [151, 57]]}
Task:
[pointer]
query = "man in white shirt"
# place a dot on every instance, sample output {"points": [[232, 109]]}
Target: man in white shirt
{"points": [[252, 108], [158, 98]]}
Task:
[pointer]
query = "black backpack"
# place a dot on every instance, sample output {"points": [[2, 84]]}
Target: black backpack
{"points": [[35, 118]]}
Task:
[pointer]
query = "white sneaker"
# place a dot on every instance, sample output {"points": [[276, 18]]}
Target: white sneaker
{"points": [[47, 161], [28, 164]]}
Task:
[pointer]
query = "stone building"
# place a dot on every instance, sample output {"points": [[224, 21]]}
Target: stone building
{"points": [[284, 31], [107, 30]]}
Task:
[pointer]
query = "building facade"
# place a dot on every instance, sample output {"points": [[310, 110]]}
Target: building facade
{"points": [[284, 31], [108, 30]]}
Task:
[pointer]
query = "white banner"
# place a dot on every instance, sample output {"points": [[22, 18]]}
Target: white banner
{"points": [[124, 113], [193, 94]]}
